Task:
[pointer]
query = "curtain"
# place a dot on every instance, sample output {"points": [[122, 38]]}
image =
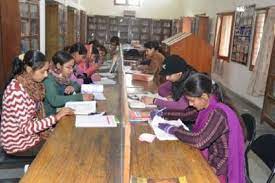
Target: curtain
{"points": [[258, 78]]}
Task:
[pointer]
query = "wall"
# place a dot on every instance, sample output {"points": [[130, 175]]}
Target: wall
{"points": [[158, 9], [235, 76]]}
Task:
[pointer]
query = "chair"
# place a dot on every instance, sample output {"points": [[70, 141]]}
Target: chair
{"points": [[264, 148], [9, 163], [250, 124]]}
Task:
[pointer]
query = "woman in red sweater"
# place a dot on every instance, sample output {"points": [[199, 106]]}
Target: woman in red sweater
{"points": [[23, 122]]}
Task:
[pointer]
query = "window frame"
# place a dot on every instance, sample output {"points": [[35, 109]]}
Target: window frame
{"points": [[126, 3], [218, 39], [251, 67]]}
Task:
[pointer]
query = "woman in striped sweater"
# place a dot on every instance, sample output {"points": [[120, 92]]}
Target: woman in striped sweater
{"points": [[217, 132], [23, 121]]}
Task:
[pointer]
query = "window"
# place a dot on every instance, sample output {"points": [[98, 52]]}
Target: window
{"points": [[224, 27], [127, 2], [258, 32]]}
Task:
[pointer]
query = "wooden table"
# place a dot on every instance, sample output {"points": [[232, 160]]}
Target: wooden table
{"points": [[103, 155], [161, 159], [82, 154]]}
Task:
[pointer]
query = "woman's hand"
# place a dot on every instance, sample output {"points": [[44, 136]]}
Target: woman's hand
{"points": [[63, 112], [147, 100], [88, 97], [69, 90]]}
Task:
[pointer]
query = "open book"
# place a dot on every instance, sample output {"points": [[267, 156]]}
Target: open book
{"points": [[82, 108], [95, 89]]}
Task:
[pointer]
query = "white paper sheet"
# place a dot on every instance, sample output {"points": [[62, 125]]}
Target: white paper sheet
{"points": [[92, 88], [107, 74], [105, 81], [135, 104], [95, 121], [162, 135], [99, 96], [84, 107]]}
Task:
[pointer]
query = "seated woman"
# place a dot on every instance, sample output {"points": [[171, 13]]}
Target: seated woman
{"points": [[59, 88], [156, 60], [102, 54], [23, 120], [218, 132], [176, 71], [114, 47], [79, 53], [90, 65]]}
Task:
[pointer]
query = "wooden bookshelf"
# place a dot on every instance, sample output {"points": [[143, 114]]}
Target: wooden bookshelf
{"points": [[30, 36], [145, 29], [83, 25], [72, 29], [127, 28], [56, 27]]}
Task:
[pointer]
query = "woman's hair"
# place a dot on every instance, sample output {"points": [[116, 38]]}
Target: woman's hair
{"points": [[197, 84], [115, 40], [94, 42], [178, 86], [67, 48], [95, 51], [61, 57], [102, 48], [34, 59], [152, 44], [79, 48]]}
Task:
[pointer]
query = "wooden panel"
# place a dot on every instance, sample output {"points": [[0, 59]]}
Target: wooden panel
{"points": [[81, 154], [186, 24], [10, 36], [83, 25], [52, 30], [196, 52], [203, 28], [71, 36]]}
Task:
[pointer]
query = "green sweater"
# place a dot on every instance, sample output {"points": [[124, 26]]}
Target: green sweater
{"points": [[55, 97]]}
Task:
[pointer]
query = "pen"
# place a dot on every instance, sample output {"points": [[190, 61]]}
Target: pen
{"points": [[159, 111]]}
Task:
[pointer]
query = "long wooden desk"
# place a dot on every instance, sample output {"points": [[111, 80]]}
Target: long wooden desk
{"points": [[162, 159], [103, 155], [82, 154]]}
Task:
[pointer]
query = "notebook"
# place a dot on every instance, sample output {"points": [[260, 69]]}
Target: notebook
{"points": [[105, 81], [95, 121], [95, 89], [82, 108], [92, 88]]}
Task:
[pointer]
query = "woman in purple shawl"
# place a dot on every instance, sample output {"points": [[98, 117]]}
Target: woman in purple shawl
{"points": [[217, 132]]}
